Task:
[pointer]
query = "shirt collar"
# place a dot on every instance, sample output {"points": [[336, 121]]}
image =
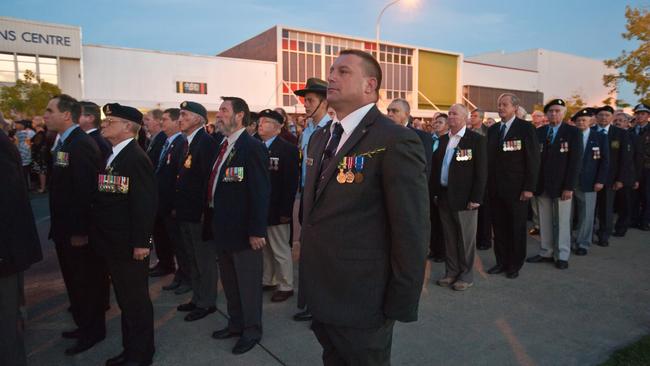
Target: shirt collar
{"points": [[460, 133], [91, 131], [171, 138], [269, 142], [235, 135], [509, 122], [67, 132], [352, 120], [190, 137], [323, 121], [117, 148], [606, 128]]}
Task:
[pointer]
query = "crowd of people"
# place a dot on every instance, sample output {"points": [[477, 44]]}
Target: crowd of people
{"points": [[376, 194]]}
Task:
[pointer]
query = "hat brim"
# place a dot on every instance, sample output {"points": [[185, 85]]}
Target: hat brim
{"points": [[303, 92]]}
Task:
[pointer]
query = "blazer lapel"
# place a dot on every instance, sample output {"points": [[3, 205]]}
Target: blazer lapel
{"points": [[317, 144], [233, 154], [114, 167]]}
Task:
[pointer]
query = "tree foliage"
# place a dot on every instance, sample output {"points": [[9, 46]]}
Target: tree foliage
{"points": [[633, 66], [28, 98]]}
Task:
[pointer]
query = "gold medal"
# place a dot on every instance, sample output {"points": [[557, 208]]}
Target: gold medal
{"points": [[188, 162], [358, 177], [349, 177], [340, 177]]}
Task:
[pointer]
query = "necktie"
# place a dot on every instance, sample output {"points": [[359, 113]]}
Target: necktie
{"points": [[330, 150], [58, 147], [436, 142], [502, 132], [162, 155], [215, 169], [551, 136]]}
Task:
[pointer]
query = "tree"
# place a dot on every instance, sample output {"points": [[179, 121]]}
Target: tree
{"points": [[573, 104], [28, 98], [633, 66]]}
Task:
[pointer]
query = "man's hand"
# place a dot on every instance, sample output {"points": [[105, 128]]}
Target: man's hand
{"points": [[617, 185], [635, 186], [257, 243], [525, 195], [285, 219], [598, 187], [140, 253], [473, 205], [566, 195], [79, 240]]}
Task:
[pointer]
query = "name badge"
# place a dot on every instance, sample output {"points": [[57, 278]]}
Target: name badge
{"points": [[112, 184], [464, 155], [512, 145], [62, 159], [595, 152], [274, 164], [233, 174]]}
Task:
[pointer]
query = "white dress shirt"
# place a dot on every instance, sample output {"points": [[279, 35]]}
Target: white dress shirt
{"points": [[449, 154], [91, 131], [231, 143], [117, 149], [508, 124], [350, 123], [190, 137]]}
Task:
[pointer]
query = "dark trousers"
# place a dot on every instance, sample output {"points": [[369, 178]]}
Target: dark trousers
{"points": [[163, 244], [241, 276], [605, 212], [509, 223], [623, 205], [437, 243], [484, 226], [179, 250], [644, 197], [86, 279], [346, 346], [131, 284], [203, 263], [12, 325]]}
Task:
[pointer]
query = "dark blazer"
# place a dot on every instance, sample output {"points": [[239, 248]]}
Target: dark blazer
{"points": [[285, 177], [167, 173], [20, 245], [427, 144], [560, 168], [620, 155], [241, 208], [155, 147], [192, 182], [511, 172], [467, 178], [123, 221], [72, 187], [595, 163], [364, 245], [104, 146]]}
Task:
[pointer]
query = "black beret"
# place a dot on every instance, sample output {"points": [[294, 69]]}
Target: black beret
{"points": [[273, 115], [641, 107], [254, 116], [122, 111], [605, 108], [585, 112], [195, 108], [314, 85], [554, 102]]}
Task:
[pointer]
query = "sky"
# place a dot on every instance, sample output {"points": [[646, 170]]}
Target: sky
{"points": [[586, 28]]}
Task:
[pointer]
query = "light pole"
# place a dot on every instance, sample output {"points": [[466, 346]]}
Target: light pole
{"points": [[377, 25]]}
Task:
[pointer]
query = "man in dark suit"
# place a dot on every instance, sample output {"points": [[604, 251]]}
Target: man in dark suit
{"points": [[123, 214], [238, 192], [619, 171], [399, 111], [20, 247], [641, 206], [458, 182], [284, 172], [437, 243], [190, 204], [484, 226], [513, 167], [593, 175], [366, 220], [89, 122], [73, 185], [561, 159]]}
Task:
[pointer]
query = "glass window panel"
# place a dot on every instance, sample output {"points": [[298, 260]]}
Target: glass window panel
{"points": [[317, 47], [292, 35], [403, 60], [22, 66], [409, 78], [6, 65], [293, 67], [47, 69], [310, 47], [286, 100], [389, 76], [46, 60], [26, 58], [50, 78], [382, 57], [382, 47], [317, 67], [383, 73], [7, 76], [285, 33], [389, 57], [301, 67], [301, 46], [403, 77], [328, 50], [301, 36], [285, 66], [310, 66], [6, 56], [335, 50]]}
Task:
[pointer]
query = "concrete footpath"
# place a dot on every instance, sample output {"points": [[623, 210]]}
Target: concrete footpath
{"points": [[577, 316]]}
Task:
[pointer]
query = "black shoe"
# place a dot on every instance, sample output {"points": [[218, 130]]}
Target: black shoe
{"points": [[158, 271], [533, 231], [560, 264], [224, 333], [71, 334], [243, 345], [266, 288], [512, 275], [483, 246], [438, 259], [117, 360], [172, 286], [644, 227], [82, 346], [603, 243], [619, 234], [186, 307], [581, 251], [496, 270], [199, 313], [539, 259], [303, 316], [182, 289]]}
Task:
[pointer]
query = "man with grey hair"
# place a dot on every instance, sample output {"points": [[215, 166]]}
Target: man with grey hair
{"points": [[513, 164], [399, 111]]}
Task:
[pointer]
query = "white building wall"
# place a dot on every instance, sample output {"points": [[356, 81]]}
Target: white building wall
{"points": [[147, 79], [522, 60], [491, 76]]}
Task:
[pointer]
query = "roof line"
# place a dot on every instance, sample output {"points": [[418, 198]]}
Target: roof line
{"points": [[500, 66]]}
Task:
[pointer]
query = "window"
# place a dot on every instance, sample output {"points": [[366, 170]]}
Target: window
{"points": [[7, 68], [46, 68]]}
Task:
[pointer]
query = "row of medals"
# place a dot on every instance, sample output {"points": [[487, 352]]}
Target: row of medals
{"points": [[346, 175]]}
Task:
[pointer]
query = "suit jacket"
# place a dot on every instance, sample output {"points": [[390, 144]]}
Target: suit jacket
{"points": [[642, 162], [427, 144], [123, 221], [483, 131], [72, 186], [561, 160], [595, 161], [20, 245], [364, 245], [104, 146], [192, 182], [511, 172], [620, 156], [155, 147], [467, 178], [241, 207], [167, 173], [284, 173]]}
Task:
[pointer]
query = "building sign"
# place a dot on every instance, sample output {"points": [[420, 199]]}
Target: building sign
{"points": [[32, 38], [189, 87]]}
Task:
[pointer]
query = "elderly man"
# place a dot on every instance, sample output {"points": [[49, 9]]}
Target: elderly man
{"points": [[365, 207], [641, 197], [458, 182], [399, 111], [561, 150]]}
